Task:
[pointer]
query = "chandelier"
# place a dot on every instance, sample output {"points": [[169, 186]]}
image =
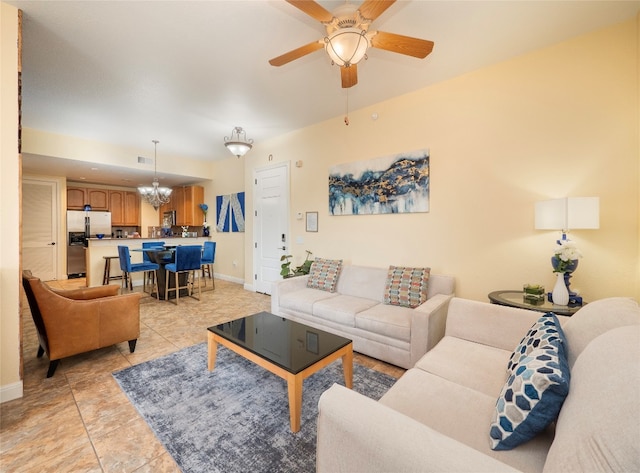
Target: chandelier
{"points": [[238, 143], [155, 195]]}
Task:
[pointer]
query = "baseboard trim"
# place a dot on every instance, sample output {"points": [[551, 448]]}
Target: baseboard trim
{"points": [[11, 391]]}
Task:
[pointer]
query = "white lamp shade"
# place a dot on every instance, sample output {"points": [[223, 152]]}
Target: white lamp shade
{"points": [[347, 46], [238, 148], [568, 213]]}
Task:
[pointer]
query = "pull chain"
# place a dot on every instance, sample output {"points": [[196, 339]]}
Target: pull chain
{"points": [[346, 114]]}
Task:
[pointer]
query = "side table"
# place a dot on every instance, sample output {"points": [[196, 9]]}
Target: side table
{"points": [[515, 299]]}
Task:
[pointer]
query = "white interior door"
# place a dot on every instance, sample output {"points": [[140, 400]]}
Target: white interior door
{"points": [[271, 225], [40, 228]]}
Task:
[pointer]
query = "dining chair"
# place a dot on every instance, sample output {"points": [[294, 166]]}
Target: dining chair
{"points": [[208, 258], [187, 261], [150, 275], [127, 268]]}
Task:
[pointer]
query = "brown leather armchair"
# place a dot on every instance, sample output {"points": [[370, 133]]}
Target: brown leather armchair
{"points": [[80, 320]]}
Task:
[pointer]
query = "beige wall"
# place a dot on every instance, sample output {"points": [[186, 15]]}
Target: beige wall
{"points": [[228, 178], [10, 378], [562, 121]]}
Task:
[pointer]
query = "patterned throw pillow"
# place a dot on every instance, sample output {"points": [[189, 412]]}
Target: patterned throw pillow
{"points": [[324, 274], [531, 398], [406, 287], [546, 331]]}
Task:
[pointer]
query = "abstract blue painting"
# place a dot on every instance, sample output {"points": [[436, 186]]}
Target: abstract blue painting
{"points": [[387, 185], [230, 212]]}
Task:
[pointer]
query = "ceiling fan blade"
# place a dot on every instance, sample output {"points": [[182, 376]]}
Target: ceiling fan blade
{"points": [[296, 53], [313, 9], [349, 75], [372, 9], [397, 43]]}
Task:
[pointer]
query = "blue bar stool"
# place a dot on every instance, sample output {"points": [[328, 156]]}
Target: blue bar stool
{"points": [[150, 275], [127, 268], [208, 258], [187, 261]]}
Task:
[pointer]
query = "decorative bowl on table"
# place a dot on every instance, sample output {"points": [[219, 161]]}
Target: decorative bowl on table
{"points": [[100, 236]]}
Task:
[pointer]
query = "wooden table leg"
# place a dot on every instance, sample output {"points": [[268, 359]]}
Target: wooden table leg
{"points": [[294, 385], [213, 351], [347, 368]]}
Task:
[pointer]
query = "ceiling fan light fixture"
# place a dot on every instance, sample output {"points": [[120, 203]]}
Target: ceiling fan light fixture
{"points": [[238, 143], [347, 46], [154, 194]]}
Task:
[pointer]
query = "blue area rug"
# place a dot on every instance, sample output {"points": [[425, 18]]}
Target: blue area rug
{"points": [[236, 417]]}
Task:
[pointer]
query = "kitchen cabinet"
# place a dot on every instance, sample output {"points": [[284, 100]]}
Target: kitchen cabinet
{"points": [[131, 209], [186, 202], [77, 197], [98, 199], [116, 206], [125, 208]]}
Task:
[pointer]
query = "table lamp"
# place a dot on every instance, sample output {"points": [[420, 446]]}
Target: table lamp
{"points": [[565, 214]]}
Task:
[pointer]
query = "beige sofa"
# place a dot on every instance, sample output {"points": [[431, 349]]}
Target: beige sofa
{"points": [[397, 335], [437, 416]]}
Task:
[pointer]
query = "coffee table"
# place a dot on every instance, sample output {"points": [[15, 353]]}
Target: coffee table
{"points": [[288, 349]]}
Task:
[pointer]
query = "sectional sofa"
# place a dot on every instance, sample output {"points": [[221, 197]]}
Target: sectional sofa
{"points": [[448, 414], [354, 307]]}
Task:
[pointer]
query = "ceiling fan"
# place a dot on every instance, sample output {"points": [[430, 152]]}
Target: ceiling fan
{"points": [[348, 36]]}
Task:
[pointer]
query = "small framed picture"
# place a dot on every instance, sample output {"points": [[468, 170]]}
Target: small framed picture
{"points": [[312, 343], [312, 221]]}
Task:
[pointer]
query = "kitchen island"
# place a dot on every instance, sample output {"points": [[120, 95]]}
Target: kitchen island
{"points": [[99, 248]]}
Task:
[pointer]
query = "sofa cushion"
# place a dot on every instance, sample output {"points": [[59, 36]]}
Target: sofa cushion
{"points": [[390, 321], [544, 332], [362, 281], [599, 426], [460, 413], [531, 398], [474, 365], [406, 287], [324, 274], [341, 309], [302, 300]]}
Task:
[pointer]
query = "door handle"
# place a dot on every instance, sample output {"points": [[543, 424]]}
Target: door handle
{"points": [[53, 243], [283, 248]]}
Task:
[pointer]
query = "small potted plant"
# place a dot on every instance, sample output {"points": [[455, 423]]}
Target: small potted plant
{"points": [[285, 268], [305, 267]]}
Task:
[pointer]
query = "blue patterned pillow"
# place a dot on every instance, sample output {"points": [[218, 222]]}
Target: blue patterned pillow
{"points": [[531, 398], [544, 333]]}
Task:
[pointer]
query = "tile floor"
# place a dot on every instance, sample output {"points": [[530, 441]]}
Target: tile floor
{"points": [[79, 420]]}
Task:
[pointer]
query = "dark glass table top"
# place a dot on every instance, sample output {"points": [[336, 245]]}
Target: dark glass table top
{"points": [[291, 345], [515, 299]]}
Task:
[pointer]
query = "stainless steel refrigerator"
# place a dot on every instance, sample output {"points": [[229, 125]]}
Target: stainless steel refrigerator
{"points": [[80, 226]]}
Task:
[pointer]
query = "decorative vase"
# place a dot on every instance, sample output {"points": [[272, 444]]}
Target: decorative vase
{"points": [[555, 261], [205, 231], [560, 294]]}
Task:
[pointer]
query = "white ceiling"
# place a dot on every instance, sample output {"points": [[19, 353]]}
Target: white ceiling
{"points": [[187, 72]]}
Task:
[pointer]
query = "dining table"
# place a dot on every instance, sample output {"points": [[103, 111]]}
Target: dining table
{"points": [[162, 256]]}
